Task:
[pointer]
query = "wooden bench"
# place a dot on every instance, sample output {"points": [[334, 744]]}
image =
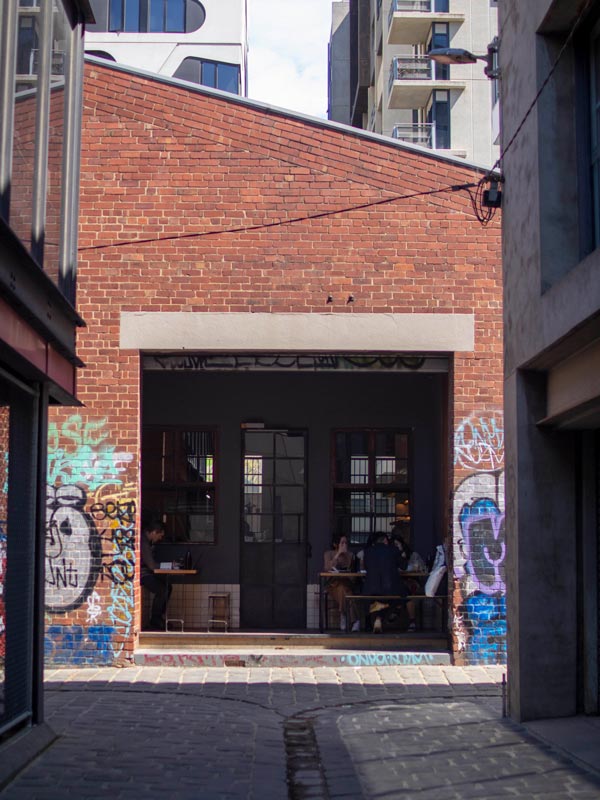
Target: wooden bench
{"points": [[441, 601]]}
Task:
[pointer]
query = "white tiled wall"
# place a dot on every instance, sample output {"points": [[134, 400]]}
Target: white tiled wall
{"points": [[189, 602]]}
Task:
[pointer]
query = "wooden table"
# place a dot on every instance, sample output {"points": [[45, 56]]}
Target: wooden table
{"points": [[169, 574]]}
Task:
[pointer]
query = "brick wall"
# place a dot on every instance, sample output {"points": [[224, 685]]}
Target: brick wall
{"points": [[161, 161]]}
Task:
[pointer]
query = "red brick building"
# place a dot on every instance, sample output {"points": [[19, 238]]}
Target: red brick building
{"points": [[294, 329]]}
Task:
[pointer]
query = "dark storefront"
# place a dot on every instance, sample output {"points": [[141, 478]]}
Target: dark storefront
{"points": [[254, 470]]}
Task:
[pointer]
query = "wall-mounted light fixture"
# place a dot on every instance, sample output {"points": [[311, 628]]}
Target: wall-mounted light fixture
{"points": [[454, 55]]}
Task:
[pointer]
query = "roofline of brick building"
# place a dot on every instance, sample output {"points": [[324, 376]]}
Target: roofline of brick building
{"points": [[290, 114]]}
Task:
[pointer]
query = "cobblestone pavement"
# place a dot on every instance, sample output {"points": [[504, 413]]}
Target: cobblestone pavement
{"points": [[373, 732]]}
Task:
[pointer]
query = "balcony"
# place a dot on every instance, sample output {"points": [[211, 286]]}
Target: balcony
{"points": [[410, 21], [421, 133], [412, 80]]}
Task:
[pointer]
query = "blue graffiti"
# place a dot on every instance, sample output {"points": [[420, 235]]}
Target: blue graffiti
{"points": [[482, 525], [386, 659], [79, 646], [487, 615]]}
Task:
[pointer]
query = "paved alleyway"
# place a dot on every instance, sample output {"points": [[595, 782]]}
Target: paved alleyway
{"points": [[372, 732]]}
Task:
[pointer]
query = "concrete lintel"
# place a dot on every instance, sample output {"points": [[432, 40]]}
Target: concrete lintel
{"points": [[263, 332]]}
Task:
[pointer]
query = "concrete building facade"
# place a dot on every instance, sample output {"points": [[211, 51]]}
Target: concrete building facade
{"points": [[294, 331], [393, 88], [552, 345], [201, 42]]}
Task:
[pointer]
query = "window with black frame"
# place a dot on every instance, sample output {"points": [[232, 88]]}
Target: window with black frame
{"points": [[179, 482], [371, 476], [216, 74]]}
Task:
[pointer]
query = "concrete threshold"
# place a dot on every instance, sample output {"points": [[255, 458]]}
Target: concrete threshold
{"points": [[295, 656]]}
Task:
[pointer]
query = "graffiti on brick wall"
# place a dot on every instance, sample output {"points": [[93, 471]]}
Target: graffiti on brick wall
{"points": [[479, 622], [2, 577], [73, 554], [479, 442], [79, 646], [90, 545], [116, 517], [79, 453]]}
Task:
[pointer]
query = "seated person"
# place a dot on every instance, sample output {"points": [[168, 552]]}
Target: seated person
{"points": [[383, 562], [340, 558], [156, 584], [412, 584]]}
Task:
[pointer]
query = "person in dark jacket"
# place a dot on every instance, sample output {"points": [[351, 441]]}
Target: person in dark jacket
{"points": [[382, 563], [156, 584]]}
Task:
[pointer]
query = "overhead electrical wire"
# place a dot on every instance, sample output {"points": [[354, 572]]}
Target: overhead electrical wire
{"points": [[276, 223]]}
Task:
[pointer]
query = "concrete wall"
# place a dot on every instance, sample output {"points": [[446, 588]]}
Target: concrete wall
{"points": [[552, 296], [339, 63]]}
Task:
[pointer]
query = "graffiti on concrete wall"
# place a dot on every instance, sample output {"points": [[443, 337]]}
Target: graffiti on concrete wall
{"points": [[90, 545], [479, 622]]}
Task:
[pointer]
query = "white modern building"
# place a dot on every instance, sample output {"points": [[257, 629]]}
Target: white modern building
{"points": [[202, 42], [387, 84]]}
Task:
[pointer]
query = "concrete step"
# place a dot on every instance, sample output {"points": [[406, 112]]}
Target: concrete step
{"points": [[285, 657], [309, 639], [283, 649]]}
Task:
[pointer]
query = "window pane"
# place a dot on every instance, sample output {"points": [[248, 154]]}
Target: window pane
{"points": [[194, 15], [60, 47], [100, 10], [228, 78], [290, 471], [156, 16], [26, 94], [175, 19], [116, 15], [209, 74], [132, 15], [189, 70], [351, 457], [178, 482], [391, 458]]}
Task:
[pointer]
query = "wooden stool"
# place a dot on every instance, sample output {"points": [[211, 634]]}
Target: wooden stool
{"points": [[218, 610]]}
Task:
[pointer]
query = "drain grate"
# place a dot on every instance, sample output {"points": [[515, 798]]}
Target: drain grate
{"points": [[304, 769]]}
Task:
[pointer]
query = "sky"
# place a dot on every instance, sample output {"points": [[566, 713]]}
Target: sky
{"points": [[287, 59]]}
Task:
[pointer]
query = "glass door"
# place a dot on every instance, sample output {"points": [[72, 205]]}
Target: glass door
{"points": [[273, 530]]}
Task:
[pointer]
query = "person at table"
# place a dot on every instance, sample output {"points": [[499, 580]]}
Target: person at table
{"points": [[383, 562], [340, 559], [156, 584]]}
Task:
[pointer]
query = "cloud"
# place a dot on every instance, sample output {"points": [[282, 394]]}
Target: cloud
{"points": [[287, 60]]}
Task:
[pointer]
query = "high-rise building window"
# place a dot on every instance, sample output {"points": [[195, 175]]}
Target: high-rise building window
{"points": [[440, 37], [439, 117], [147, 16], [216, 74]]}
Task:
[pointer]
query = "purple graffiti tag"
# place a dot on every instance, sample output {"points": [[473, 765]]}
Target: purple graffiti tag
{"points": [[482, 525]]}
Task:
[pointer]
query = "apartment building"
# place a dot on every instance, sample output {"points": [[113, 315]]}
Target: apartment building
{"points": [[201, 42], [390, 85]]}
